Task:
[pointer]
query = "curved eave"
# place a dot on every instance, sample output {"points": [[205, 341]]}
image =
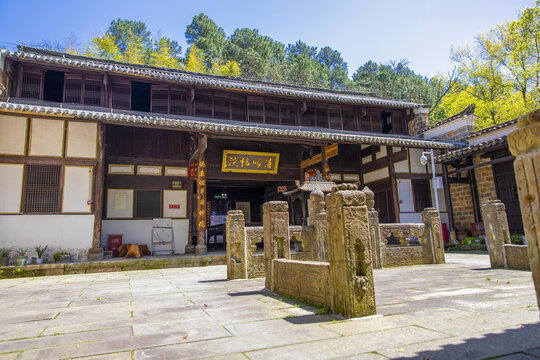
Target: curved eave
{"points": [[189, 78], [210, 126], [470, 150]]}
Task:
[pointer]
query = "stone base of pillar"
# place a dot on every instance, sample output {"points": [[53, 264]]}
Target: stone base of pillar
{"points": [[190, 249], [95, 254], [201, 250]]}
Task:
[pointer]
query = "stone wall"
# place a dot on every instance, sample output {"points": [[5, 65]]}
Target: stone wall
{"points": [[516, 257], [406, 255], [255, 261], [462, 205], [485, 183], [306, 280], [419, 122]]}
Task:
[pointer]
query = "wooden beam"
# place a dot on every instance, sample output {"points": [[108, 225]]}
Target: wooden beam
{"points": [[330, 151], [200, 248], [98, 187], [471, 167], [393, 183]]}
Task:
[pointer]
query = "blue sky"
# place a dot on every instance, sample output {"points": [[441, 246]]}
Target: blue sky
{"points": [[421, 31]]}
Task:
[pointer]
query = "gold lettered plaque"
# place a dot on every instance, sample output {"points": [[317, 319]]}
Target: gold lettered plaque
{"points": [[250, 162]]}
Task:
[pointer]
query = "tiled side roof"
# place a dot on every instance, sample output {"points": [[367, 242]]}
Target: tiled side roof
{"points": [[189, 78], [470, 149], [493, 128], [467, 111], [215, 126]]}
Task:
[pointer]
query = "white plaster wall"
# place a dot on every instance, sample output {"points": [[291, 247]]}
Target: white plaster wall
{"points": [[440, 194], [414, 156], [376, 175], [57, 231], [12, 135], [382, 153], [402, 166], [140, 232], [11, 179], [82, 140]]}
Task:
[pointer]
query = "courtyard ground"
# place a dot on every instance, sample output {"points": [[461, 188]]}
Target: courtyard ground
{"points": [[460, 310]]}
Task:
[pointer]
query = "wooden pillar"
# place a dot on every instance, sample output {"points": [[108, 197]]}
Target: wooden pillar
{"points": [[449, 208], [324, 161], [524, 144], [393, 183], [200, 248], [98, 186]]}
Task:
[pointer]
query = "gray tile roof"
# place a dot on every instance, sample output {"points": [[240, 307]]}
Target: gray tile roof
{"points": [[493, 128], [467, 111], [470, 149], [189, 78], [215, 126]]}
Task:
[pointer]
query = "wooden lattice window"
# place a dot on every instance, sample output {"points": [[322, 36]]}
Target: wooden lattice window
{"points": [[160, 100], [335, 118], [271, 109], [255, 110], [287, 114], [203, 105], [221, 107], [31, 84], [238, 105], [92, 91], [42, 189], [308, 117], [322, 117], [72, 89], [178, 102]]}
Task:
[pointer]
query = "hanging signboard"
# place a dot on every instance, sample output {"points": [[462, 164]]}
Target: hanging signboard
{"points": [[250, 162]]}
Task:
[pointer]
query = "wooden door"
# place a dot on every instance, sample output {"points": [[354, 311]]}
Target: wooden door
{"points": [[506, 187]]}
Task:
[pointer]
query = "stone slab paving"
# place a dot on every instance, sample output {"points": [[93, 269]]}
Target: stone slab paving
{"points": [[460, 310]]}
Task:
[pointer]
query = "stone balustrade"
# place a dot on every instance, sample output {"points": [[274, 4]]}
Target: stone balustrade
{"points": [[403, 231]]}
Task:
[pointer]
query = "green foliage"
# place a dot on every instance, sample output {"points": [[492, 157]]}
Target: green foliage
{"points": [[500, 72], [56, 256], [516, 238], [40, 250], [4, 252], [195, 60], [207, 36]]}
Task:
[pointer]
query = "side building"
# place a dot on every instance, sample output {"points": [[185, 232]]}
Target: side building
{"points": [[91, 148]]}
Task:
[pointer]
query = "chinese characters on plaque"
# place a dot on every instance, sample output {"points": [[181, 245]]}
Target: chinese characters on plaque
{"points": [[250, 162], [201, 195]]}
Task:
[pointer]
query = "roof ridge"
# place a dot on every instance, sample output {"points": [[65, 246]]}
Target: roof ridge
{"points": [[469, 110], [37, 50]]}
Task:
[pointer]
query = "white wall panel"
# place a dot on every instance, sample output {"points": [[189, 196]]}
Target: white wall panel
{"points": [[376, 175], [119, 203], [414, 156], [12, 135], [46, 137], [402, 166], [11, 179], [82, 140]]}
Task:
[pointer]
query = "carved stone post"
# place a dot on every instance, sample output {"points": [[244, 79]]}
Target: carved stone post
{"points": [[433, 234], [374, 229], [275, 237], [497, 232], [317, 218], [524, 143], [351, 272], [236, 243]]}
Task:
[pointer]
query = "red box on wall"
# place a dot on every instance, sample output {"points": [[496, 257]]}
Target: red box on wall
{"points": [[114, 243]]}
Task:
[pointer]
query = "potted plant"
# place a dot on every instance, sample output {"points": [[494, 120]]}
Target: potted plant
{"points": [[40, 250], [4, 256], [22, 257]]}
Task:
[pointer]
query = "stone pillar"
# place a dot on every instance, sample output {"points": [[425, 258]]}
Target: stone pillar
{"points": [[433, 234], [374, 229], [349, 252], [275, 237], [497, 232], [524, 143], [317, 218], [419, 122], [236, 245]]}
